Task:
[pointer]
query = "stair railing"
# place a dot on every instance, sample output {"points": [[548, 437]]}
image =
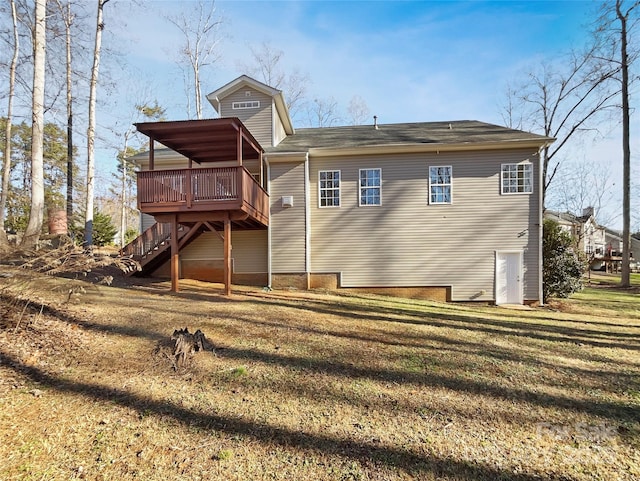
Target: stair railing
{"points": [[148, 241]]}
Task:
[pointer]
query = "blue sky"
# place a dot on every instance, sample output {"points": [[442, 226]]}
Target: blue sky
{"points": [[410, 61]]}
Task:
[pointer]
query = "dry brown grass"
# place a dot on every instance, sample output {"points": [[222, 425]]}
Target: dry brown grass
{"points": [[313, 386]]}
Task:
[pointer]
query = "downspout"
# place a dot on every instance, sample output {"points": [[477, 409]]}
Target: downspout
{"points": [[540, 227], [268, 185], [307, 221]]}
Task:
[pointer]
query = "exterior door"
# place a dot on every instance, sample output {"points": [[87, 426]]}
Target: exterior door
{"points": [[509, 278]]}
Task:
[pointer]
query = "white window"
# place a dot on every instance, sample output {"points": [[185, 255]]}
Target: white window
{"points": [[440, 184], [370, 186], [329, 188], [517, 178], [249, 104]]}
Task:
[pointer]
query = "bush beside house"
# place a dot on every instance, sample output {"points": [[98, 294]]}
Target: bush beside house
{"points": [[563, 265]]}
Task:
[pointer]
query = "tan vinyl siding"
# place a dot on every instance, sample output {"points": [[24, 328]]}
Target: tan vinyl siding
{"points": [[249, 250], [180, 162], [287, 224], [257, 120], [166, 161], [407, 242], [253, 166], [278, 129], [146, 221]]}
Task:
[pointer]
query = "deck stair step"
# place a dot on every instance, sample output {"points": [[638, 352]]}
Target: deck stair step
{"points": [[152, 247]]}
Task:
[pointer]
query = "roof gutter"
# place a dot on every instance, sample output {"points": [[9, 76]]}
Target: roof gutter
{"points": [[435, 147], [275, 157]]}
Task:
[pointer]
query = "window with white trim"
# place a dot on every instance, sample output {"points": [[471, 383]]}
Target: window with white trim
{"points": [[370, 186], [247, 104], [329, 188], [440, 184], [516, 178]]}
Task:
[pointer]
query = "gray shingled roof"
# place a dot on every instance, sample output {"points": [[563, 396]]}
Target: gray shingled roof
{"points": [[457, 132]]}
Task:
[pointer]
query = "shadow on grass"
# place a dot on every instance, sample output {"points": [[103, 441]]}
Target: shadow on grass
{"points": [[471, 322], [449, 344], [536, 330], [412, 462], [611, 410]]}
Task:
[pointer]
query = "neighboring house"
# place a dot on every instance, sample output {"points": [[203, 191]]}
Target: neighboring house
{"points": [[590, 237], [614, 249], [602, 246], [613, 243], [444, 210], [635, 252]]}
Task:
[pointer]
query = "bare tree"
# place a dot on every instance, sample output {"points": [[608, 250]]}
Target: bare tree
{"points": [[266, 65], [562, 101], [512, 112], [68, 18], [126, 174], [36, 214], [622, 15], [6, 170], [91, 129], [358, 110], [583, 185], [200, 46], [323, 112], [267, 68], [614, 29]]}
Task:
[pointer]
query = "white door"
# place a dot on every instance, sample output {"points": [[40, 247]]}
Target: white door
{"points": [[509, 278]]}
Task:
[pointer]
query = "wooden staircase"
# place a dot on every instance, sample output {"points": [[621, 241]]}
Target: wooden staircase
{"points": [[153, 247]]}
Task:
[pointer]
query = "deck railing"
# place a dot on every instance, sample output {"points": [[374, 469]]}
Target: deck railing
{"points": [[188, 185], [202, 190], [255, 196]]}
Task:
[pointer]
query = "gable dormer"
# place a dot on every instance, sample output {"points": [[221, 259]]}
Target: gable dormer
{"points": [[261, 109]]}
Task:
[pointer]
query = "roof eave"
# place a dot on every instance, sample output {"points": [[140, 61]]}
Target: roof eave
{"points": [[291, 156], [283, 111], [229, 88], [434, 147]]}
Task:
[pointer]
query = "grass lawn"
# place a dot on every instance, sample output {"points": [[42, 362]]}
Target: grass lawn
{"points": [[313, 386]]}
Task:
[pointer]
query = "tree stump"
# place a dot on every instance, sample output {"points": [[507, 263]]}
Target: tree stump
{"points": [[186, 344]]}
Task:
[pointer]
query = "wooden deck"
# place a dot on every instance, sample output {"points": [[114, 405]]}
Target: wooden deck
{"points": [[206, 194]]}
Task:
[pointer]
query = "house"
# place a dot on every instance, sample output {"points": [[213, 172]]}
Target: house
{"points": [[589, 235], [600, 245], [442, 210], [614, 250], [635, 249]]}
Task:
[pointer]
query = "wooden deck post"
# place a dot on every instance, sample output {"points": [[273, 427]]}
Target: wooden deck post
{"points": [[239, 146], [175, 265], [227, 257], [151, 154]]}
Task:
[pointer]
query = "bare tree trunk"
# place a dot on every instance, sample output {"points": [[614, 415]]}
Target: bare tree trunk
{"points": [[123, 191], [68, 20], [36, 215], [91, 129], [196, 76], [625, 280], [6, 171]]}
